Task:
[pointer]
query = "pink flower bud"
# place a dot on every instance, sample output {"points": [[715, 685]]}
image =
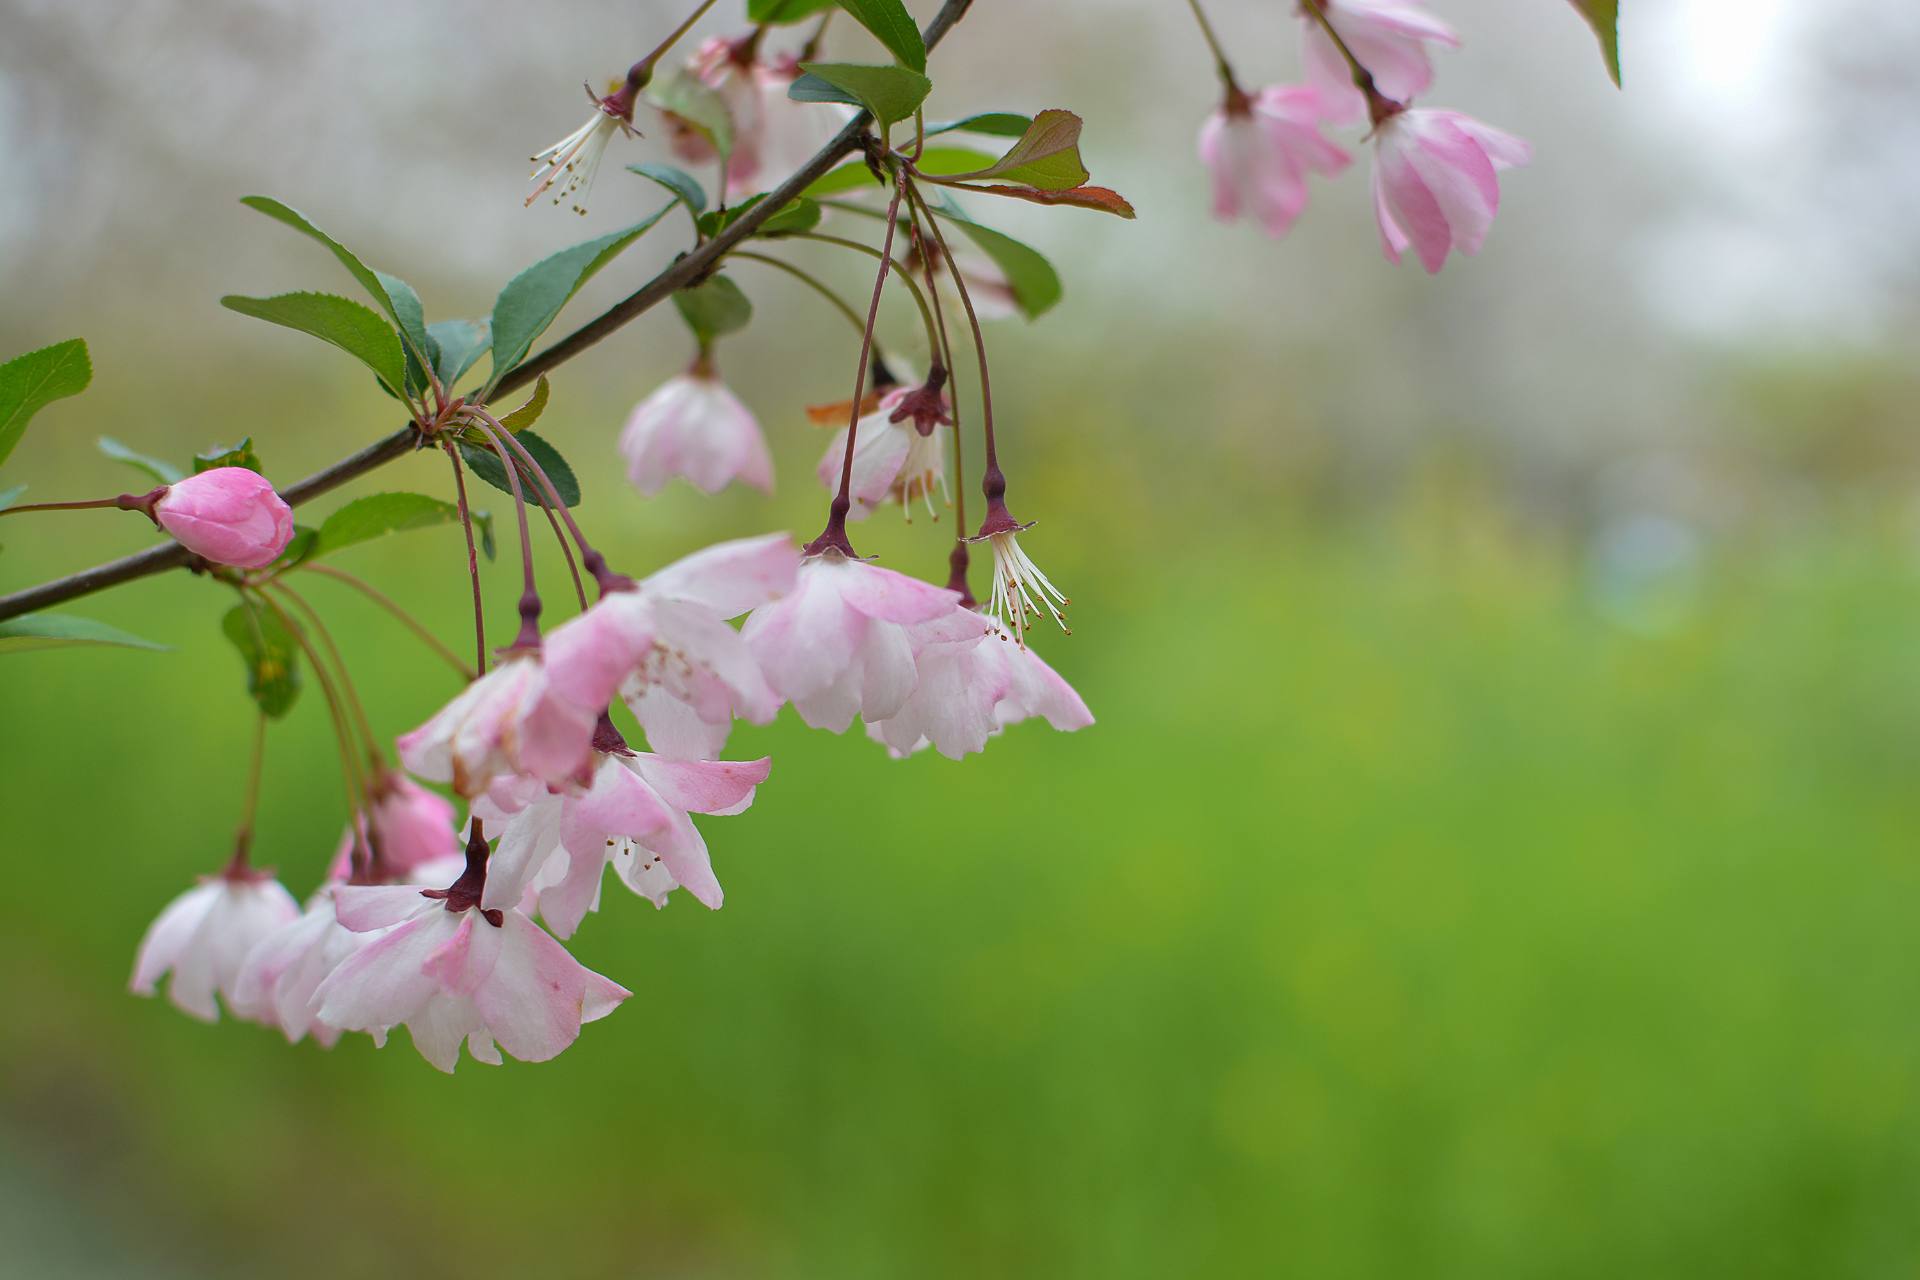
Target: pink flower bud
{"points": [[230, 515]]}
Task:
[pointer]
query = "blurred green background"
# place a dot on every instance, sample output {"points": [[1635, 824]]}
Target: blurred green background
{"points": [[1494, 855]]}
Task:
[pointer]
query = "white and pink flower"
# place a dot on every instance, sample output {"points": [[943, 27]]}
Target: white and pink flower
{"points": [[694, 428], [1388, 37], [502, 723], [450, 970], [665, 646], [968, 694], [1435, 185], [554, 846], [1260, 148], [772, 134], [203, 936], [893, 462], [846, 641]]}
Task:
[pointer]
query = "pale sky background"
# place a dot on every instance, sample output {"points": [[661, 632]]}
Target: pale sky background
{"points": [[1754, 185]]}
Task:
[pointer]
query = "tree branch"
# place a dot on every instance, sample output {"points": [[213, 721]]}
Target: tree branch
{"points": [[683, 271]]}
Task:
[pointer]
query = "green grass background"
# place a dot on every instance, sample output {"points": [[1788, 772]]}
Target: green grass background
{"points": [[1398, 917]]}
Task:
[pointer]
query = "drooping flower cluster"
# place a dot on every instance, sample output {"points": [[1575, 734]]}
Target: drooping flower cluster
{"points": [[407, 932], [1434, 183]]}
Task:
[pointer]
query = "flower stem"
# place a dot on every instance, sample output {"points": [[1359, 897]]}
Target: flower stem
{"points": [[1213, 43], [392, 606], [473, 561], [250, 802], [529, 634], [993, 483], [591, 560], [834, 536], [959, 559], [642, 71], [1379, 106], [124, 502], [352, 695], [812, 282], [356, 783], [900, 273]]}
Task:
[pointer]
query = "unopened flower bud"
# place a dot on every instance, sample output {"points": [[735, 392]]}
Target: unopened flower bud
{"points": [[230, 515]]}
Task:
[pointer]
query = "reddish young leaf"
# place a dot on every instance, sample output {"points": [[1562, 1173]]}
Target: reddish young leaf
{"points": [[1101, 198]]}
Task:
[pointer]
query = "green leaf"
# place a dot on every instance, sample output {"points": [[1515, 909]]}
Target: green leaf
{"points": [[1000, 124], [892, 94], [684, 186], [800, 214], [893, 27], [229, 455], [300, 548], [270, 654], [162, 472], [533, 298], [781, 11], [529, 413], [355, 329], [697, 106], [376, 283], [935, 162], [32, 631], [457, 344], [1604, 17], [379, 514], [1035, 284], [1046, 156], [485, 463], [31, 382], [714, 309], [412, 319]]}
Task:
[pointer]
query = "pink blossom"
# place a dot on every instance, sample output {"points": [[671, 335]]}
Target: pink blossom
{"points": [[845, 642], [285, 967], [1388, 37], [1260, 149], [969, 693], [635, 815], [772, 134], [694, 428], [229, 515], [1434, 185], [892, 461], [502, 723], [666, 648], [450, 970], [410, 825], [203, 936]]}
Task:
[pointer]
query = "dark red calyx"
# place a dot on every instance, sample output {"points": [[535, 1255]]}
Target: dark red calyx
{"points": [[925, 404], [607, 740]]}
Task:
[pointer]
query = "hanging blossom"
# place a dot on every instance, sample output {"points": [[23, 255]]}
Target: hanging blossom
{"points": [[695, 428], [555, 845], [1021, 591], [899, 453], [451, 970], [1434, 183], [1260, 148], [502, 723], [846, 641], [665, 647], [772, 134], [571, 163], [203, 936], [1388, 37], [969, 693]]}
